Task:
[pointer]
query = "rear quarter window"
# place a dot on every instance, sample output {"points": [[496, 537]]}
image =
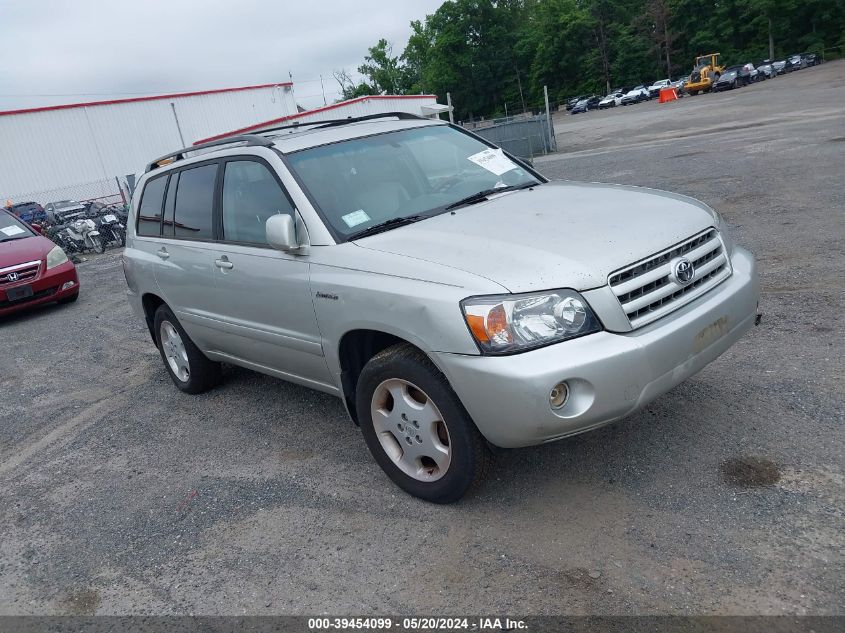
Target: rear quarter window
{"points": [[149, 211]]}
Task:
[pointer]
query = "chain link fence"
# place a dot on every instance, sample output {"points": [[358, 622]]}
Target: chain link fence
{"points": [[106, 191], [524, 135]]}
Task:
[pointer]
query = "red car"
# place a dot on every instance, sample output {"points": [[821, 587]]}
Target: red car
{"points": [[33, 270]]}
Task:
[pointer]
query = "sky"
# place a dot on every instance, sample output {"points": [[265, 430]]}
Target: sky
{"points": [[69, 51]]}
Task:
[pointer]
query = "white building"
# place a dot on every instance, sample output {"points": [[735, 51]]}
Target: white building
{"points": [[76, 151], [80, 151]]}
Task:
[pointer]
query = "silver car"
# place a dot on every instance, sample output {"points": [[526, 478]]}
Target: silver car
{"points": [[449, 294]]}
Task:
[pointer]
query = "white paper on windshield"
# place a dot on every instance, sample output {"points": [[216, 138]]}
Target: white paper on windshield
{"points": [[12, 230], [494, 161], [355, 218]]}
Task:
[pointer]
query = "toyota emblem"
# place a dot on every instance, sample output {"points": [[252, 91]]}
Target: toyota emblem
{"points": [[683, 271]]}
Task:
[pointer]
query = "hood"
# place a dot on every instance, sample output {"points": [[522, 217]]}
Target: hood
{"points": [[558, 235], [27, 249]]}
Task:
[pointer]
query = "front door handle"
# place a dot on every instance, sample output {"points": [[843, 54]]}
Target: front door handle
{"points": [[224, 262], [163, 253]]}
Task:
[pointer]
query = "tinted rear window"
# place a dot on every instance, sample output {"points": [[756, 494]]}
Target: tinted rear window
{"points": [[149, 213], [195, 202]]}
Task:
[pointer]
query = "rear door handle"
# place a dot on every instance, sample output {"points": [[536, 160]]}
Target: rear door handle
{"points": [[224, 262], [163, 253]]}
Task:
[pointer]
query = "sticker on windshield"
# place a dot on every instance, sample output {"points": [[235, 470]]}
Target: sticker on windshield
{"points": [[494, 161], [355, 218], [12, 230]]}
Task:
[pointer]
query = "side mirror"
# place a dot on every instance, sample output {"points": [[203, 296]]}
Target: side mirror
{"points": [[281, 232], [37, 228]]}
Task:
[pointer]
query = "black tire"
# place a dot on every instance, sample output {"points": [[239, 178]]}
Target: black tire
{"points": [[471, 457], [203, 374], [121, 236], [69, 299], [97, 244]]}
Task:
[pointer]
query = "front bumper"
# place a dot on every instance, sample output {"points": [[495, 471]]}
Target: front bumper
{"points": [[47, 287], [609, 375]]}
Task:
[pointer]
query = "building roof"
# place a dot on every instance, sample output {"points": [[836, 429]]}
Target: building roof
{"points": [[307, 113], [138, 99]]}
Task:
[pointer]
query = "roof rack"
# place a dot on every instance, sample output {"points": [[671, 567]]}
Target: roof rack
{"points": [[247, 139], [334, 122]]}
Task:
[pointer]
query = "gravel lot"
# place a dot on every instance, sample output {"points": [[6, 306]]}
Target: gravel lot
{"points": [[119, 494]]}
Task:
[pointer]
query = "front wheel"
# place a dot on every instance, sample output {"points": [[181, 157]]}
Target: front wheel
{"points": [[97, 244], [416, 427], [188, 367], [120, 236]]}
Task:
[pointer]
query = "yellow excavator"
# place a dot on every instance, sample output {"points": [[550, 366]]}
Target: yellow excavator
{"points": [[707, 70]]}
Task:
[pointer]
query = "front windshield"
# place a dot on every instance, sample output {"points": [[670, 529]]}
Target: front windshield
{"points": [[729, 75], [362, 182], [12, 229]]}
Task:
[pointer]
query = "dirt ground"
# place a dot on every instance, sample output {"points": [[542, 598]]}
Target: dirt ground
{"points": [[119, 494]]}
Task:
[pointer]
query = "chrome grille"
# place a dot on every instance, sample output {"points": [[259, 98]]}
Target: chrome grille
{"points": [[27, 271], [647, 290]]}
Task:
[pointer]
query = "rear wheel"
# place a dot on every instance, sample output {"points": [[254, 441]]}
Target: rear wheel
{"points": [[416, 427], [188, 367]]}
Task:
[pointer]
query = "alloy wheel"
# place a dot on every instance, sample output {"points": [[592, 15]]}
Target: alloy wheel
{"points": [[174, 351], [411, 430]]}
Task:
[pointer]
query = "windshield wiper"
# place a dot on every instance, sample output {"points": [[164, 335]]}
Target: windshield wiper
{"points": [[386, 226], [481, 196]]}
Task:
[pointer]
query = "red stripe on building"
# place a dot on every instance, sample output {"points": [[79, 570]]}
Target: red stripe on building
{"points": [[299, 115], [140, 99]]}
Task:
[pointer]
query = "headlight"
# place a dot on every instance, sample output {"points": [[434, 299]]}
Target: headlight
{"points": [[55, 257], [506, 324]]}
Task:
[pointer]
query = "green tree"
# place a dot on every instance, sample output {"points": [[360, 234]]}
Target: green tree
{"points": [[494, 54], [383, 70]]}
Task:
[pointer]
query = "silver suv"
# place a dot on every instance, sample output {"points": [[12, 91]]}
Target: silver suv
{"points": [[453, 297]]}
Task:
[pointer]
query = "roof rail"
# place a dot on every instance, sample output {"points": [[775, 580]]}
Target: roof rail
{"points": [[247, 139], [334, 122]]}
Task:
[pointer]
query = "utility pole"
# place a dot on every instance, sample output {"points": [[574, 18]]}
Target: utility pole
{"points": [[323, 88], [178, 127], [449, 103], [771, 41], [552, 145], [519, 84]]}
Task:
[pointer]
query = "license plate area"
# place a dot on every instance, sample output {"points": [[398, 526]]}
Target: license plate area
{"points": [[711, 334], [19, 292]]}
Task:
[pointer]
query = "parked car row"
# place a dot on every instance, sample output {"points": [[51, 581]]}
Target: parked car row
{"points": [[730, 78]]}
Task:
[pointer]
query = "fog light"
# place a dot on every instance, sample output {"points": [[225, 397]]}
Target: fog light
{"points": [[559, 395], [67, 284]]}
